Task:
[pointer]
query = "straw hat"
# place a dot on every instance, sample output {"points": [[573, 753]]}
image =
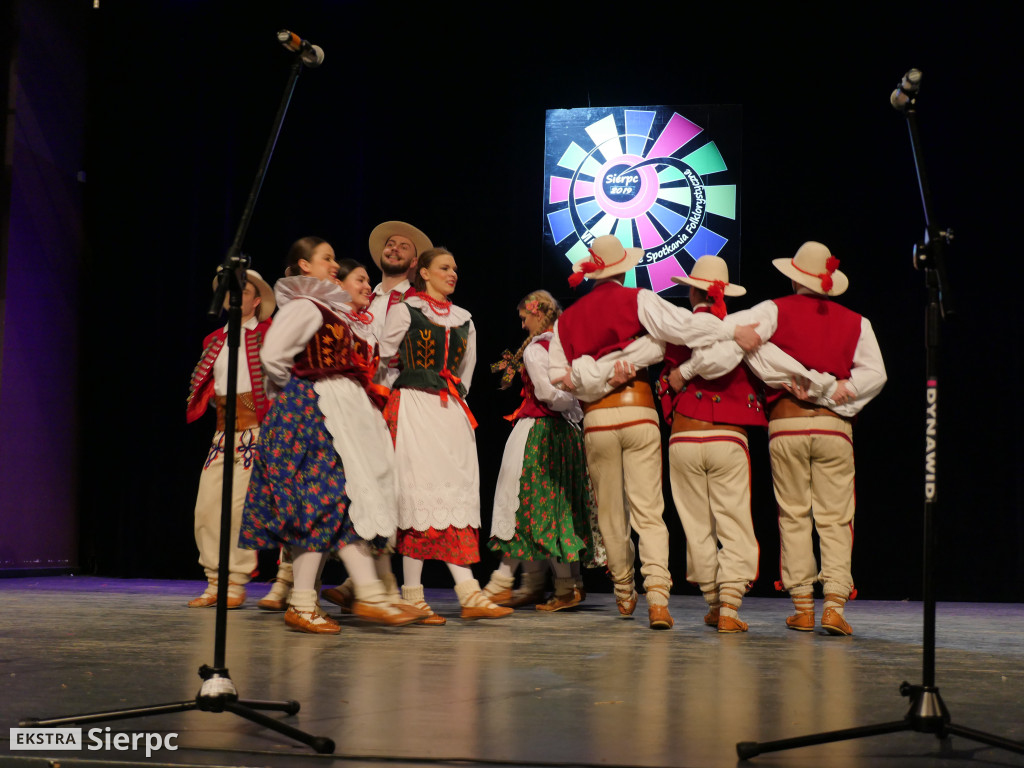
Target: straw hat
{"points": [[267, 301], [707, 271], [384, 232], [816, 268], [608, 257]]}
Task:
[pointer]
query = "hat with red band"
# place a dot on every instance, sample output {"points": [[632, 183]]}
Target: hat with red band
{"points": [[711, 274], [608, 257], [816, 268]]}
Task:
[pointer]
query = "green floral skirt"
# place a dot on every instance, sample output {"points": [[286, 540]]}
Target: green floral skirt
{"points": [[557, 516]]}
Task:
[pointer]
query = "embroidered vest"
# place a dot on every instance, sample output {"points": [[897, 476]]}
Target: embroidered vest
{"points": [[601, 322], [731, 399], [421, 355], [335, 350], [201, 383], [818, 333]]}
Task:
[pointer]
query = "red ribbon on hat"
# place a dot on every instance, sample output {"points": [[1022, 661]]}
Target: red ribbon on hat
{"points": [[831, 265], [594, 265], [716, 292]]}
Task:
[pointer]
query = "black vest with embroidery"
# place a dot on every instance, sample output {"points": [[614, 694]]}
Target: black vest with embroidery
{"points": [[421, 354]]}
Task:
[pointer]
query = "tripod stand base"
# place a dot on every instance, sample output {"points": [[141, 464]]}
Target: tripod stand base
{"points": [[217, 694], [927, 714]]}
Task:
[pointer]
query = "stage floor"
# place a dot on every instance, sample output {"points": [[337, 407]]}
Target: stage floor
{"points": [[576, 688]]}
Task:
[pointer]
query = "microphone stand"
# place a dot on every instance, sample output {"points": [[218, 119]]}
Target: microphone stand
{"points": [[927, 713], [217, 692]]}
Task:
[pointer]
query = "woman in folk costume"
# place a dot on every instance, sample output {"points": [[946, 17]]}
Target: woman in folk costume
{"points": [[543, 503], [435, 447], [324, 477]]}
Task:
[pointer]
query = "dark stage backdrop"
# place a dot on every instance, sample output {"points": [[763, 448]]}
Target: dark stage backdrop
{"points": [[426, 114], [43, 53]]}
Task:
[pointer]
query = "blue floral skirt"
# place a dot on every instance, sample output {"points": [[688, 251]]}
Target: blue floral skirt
{"points": [[297, 490]]}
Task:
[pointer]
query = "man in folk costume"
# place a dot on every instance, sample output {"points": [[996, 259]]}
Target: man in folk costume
{"points": [[811, 443], [395, 247], [709, 457], [209, 384], [621, 431]]}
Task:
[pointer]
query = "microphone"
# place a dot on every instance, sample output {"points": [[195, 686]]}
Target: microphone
{"points": [[906, 91], [311, 55]]}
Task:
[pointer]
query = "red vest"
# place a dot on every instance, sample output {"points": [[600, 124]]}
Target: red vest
{"points": [[730, 399], [601, 322], [201, 385], [818, 333], [397, 296], [531, 408]]}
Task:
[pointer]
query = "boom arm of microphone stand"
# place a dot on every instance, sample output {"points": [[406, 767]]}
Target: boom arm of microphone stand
{"points": [[931, 254]]}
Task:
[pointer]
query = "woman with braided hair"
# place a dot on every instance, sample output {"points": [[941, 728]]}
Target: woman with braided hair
{"points": [[543, 503]]}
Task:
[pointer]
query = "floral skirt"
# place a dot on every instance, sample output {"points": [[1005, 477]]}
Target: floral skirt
{"points": [[557, 516], [459, 546], [297, 490]]}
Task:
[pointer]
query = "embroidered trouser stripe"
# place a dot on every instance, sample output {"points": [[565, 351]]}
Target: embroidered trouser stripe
{"points": [[242, 562], [813, 474]]}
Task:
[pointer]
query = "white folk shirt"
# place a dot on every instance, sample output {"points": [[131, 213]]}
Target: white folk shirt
{"points": [[220, 365]]}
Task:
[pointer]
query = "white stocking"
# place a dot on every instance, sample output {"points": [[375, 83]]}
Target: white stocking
{"points": [[460, 573], [412, 572], [359, 562], [306, 566]]}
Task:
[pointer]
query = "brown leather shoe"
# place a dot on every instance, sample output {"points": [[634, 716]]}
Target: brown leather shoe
{"points": [[413, 597], [411, 609], [433, 620], [627, 605], [209, 601], [311, 622], [341, 598], [711, 617], [660, 618], [730, 624], [501, 597], [277, 598], [521, 597], [557, 603], [205, 600], [487, 611], [379, 613], [804, 622], [581, 594], [834, 623]]}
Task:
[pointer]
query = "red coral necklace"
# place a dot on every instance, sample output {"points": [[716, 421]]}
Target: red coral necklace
{"points": [[439, 307]]}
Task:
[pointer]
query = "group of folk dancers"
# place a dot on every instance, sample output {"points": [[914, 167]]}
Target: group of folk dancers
{"points": [[355, 440]]}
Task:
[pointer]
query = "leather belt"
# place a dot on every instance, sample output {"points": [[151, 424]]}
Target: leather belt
{"points": [[634, 393], [245, 412], [788, 407], [682, 423]]}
